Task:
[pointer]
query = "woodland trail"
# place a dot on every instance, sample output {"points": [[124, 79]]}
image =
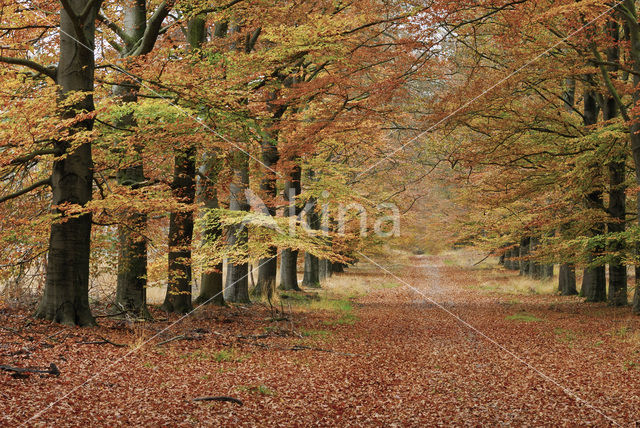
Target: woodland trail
{"points": [[402, 360]]}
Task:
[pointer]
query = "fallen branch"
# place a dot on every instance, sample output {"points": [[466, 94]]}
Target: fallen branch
{"points": [[221, 398], [21, 372], [180, 337], [102, 341], [302, 348]]}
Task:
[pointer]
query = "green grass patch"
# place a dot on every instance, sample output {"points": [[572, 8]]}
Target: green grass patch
{"points": [[564, 335], [524, 317], [221, 356], [323, 302], [314, 333]]}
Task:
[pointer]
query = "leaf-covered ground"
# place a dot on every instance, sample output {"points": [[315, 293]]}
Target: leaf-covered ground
{"points": [[449, 352]]}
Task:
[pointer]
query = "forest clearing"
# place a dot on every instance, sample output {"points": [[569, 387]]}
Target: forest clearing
{"points": [[319, 213]]}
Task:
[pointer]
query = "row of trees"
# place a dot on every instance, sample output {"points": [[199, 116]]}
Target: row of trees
{"points": [[157, 139], [551, 152]]}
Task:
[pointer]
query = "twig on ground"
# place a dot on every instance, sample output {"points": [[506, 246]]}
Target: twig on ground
{"points": [[102, 341], [221, 398], [180, 337], [24, 371]]}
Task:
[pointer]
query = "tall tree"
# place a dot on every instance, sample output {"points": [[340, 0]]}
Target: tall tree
{"points": [[289, 256], [594, 285], [65, 298], [138, 37], [183, 187]]}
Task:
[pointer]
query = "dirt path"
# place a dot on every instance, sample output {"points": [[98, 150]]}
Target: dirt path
{"points": [[405, 361]]}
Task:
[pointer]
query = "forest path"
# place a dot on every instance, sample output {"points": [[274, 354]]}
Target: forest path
{"points": [[427, 346]]}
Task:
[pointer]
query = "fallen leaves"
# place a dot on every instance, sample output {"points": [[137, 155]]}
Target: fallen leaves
{"points": [[402, 362]]}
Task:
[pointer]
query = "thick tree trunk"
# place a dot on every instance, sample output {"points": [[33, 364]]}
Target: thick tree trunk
{"points": [[324, 269], [211, 279], [237, 284], [311, 276], [178, 297], [131, 293], [211, 288], [617, 196], [594, 286], [179, 292], [66, 293], [288, 256], [268, 266], [337, 267], [567, 280], [508, 259], [631, 16], [535, 268]]}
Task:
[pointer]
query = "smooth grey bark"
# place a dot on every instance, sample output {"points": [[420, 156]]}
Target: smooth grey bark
{"points": [[567, 280], [311, 276], [183, 188], [594, 286], [237, 283], [66, 292], [288, 256], [324, 269]]}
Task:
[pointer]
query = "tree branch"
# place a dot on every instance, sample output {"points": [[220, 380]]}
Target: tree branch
{"points": [[145, 45], [49, 71], [116, 29], [45, 182]]}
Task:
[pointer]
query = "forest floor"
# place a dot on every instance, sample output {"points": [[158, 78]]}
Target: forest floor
{"points": [[429, 341]]}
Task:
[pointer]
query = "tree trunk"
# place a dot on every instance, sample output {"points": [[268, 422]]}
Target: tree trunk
{"points": [[337, 267], [211, 280], [617, 196], [523, 254], [66, 293], [131, 292], [535, 268], [237, 285], [311, 276], [324, 269], [594, 286], [268, 266], [289, 257], [211, 287], [178, 297], [567, 280]]}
